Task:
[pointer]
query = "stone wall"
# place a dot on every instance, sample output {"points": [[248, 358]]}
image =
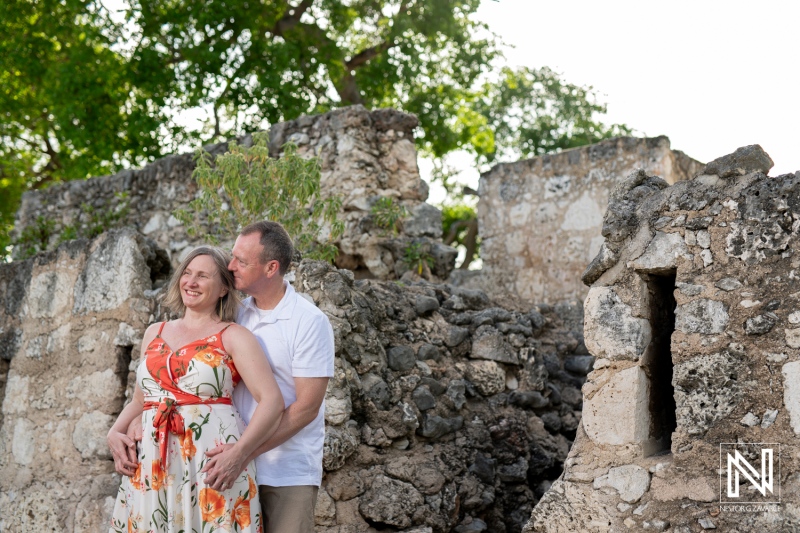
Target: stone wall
{"points": [[69, 323], [363, 155], [540, 219], [446, 413], [669, 388]]}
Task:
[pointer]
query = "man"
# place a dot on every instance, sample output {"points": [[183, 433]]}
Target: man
{"points": [[297, 339]]}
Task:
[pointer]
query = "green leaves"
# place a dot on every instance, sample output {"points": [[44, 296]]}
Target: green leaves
{"points": [[246, 185], [65, 111], [417, 257], [86, 92], [534, 111], [388, 215]]}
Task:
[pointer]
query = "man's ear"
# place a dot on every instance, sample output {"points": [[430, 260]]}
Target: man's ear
{"points": [[273, 268]]}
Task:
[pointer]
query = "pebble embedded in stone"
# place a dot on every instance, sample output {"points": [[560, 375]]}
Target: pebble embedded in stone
{"points": [[630, 482], [423, 398], [769, 418], [688, 289], [428, 351], [750, 420], [425, 305], [702, 316], [435, 427], [579, 364], [706, 523], [728, 284], [528, 399], [401, 358], [761, 324]]}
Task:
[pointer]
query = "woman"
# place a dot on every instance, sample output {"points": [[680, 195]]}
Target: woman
{"points": [[184, 399]]}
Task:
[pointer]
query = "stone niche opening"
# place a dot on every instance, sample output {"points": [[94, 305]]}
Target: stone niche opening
{"points": [[657, 362]]}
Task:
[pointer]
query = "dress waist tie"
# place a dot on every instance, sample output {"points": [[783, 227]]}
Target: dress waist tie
{"points": [[168, 420]]}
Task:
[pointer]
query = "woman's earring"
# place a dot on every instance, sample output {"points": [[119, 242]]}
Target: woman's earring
{"points": [[220, 307]]}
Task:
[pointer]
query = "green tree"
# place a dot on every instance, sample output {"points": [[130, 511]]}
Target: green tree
{"points": [[86, 91], [460, 228], [245, 185], [69, 106]]}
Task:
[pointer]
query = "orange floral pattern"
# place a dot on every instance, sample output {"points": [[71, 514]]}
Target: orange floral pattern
{"points": [[241, 512], [157, 475], [188, 449], [154, 499], [212, 504], [210, 357], [136, 480], [253, 489]]}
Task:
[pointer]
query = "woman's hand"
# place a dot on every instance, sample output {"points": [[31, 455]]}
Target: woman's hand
{"points": [[123, 449], [224, 466], [135, 429]]}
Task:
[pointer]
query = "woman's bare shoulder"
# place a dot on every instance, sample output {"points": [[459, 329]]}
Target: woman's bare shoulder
{"points": [[150, 334], [235, 331]]}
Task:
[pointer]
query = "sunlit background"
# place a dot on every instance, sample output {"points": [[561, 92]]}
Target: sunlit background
{"points": [[711, 75]]}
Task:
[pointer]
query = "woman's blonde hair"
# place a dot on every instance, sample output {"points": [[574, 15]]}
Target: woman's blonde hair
{"points": [[229, 306]]}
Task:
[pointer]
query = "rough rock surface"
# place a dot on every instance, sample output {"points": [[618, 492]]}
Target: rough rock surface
{"points": [[709, 268], [743, 161], [541, 220], [420, 435], [453, 438], [364, 155], [66, 375], [611, 331]]}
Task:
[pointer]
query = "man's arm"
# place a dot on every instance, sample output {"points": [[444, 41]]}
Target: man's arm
{"points": [[313, 355], [310, 395]]}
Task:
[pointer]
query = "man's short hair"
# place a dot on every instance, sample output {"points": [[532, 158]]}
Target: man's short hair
{"points": [[276, 243]]}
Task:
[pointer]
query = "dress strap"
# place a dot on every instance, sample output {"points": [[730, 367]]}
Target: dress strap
{"points": [[219, 336], [161, 328]]}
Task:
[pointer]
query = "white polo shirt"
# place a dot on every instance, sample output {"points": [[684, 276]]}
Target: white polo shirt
{"points": [[298, 341]]}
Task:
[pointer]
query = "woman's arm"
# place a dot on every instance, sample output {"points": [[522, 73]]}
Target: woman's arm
{"points": [[251, 363], [123, 448]]}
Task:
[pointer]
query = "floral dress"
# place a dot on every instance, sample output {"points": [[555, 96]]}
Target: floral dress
{"points": [[188, 411]]}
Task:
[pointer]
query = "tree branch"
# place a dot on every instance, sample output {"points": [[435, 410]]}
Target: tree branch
{"points": [[55, 161], [217, 133], [454, 229], [470, 243], [291, 18], [346, 85], [367, 54]]}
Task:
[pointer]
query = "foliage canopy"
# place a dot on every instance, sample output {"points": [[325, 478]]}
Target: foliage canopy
{"points": [[86, 90]]}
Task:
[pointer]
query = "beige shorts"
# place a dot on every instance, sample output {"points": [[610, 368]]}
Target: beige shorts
{"points": [[288, 509]]}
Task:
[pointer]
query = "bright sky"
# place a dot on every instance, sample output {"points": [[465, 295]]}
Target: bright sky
{"points": [[711, 75]]}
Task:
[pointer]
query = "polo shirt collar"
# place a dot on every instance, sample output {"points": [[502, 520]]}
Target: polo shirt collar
{"points": [[282, 311]]}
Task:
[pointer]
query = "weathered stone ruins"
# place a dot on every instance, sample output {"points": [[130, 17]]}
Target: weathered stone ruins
{"points": [[694, 317], [541, 219], [455, 407]]}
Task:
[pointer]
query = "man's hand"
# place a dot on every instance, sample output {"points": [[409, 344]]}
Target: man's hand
{"points": [[224, 466], [123, 449]]}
